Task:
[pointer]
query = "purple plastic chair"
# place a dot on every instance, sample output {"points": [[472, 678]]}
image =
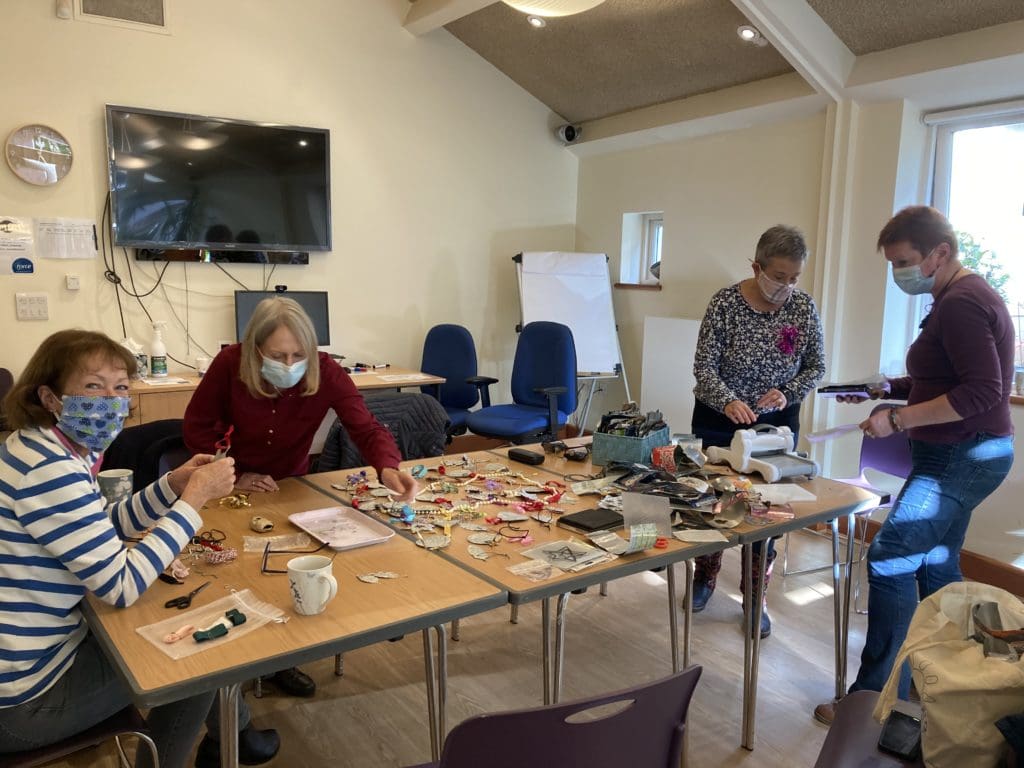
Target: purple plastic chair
{"points": [[889, 455], [646, 732], [852, 741]]}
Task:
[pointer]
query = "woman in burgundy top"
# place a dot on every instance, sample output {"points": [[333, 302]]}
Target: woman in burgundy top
{"points": [[275, 390], [958, 420]]}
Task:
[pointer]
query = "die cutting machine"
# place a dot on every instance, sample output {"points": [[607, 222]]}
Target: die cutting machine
{"points": [[767, 450]]}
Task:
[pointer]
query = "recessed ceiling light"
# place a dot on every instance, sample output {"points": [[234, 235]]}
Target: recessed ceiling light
{"points": [[536, 22], [750, 34]]}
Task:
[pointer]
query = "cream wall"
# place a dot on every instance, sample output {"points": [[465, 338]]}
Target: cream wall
{"points": [[718, 194], [441, 167]]}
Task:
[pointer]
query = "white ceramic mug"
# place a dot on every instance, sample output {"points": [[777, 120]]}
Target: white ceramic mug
{"points": [[202, 364], [115, 485], [313, 585]]}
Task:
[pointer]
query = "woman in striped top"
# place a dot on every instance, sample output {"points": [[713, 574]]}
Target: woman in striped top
{"points": [[57, 542]]}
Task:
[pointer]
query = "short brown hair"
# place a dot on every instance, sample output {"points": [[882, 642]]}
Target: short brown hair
{"points": [[269, 315], [922, 226], [57, 358], [782, 242]]}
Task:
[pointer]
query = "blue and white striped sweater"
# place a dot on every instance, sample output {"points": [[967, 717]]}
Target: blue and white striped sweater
{"points": [[57, 542]]}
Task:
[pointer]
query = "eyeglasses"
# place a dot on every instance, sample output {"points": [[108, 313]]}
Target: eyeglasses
{"points": [[571, 452], [267, 552]]}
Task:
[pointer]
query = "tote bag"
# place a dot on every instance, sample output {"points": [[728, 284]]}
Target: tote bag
{"points": [[963, 692]]}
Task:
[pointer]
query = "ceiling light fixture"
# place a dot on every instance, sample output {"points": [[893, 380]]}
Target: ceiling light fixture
{"points": [[553, 7], [752, 35], [536, 21]]}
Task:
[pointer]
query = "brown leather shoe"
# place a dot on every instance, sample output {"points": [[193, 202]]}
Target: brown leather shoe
{"points": [[825, 713]]}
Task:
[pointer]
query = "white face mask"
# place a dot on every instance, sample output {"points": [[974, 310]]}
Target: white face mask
{"points": [[773, 291]]}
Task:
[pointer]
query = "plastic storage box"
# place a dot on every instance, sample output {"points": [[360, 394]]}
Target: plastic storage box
{"points": [[632, 450]]}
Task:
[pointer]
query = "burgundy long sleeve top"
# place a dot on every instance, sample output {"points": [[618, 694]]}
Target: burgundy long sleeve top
{"points": [[273, 435], [964, 351]]}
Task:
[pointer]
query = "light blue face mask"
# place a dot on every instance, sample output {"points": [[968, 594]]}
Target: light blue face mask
{"points": [[911, 280], [283, 376]]}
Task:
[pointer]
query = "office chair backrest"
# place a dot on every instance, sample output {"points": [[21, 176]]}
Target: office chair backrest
{"points": [[645, 732], [890, 455], [6, 384], [545, 357], [148, 450], [448, 351]]}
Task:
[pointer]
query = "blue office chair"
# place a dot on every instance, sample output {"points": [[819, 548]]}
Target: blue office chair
{"points": [[448, 351], [543, 388]]}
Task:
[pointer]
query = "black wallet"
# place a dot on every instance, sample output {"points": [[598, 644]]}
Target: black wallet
{"points": [[590, 520], [901, 736]]}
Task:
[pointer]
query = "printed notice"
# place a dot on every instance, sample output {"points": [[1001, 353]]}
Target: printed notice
{"points": [[15, 246], [58, 238]]}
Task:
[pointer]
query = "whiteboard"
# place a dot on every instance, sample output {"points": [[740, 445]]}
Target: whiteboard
{"points": [[668, 382], [573, 289]]}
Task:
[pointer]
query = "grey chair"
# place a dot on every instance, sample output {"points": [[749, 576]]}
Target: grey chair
{"points": [[852, 741]]}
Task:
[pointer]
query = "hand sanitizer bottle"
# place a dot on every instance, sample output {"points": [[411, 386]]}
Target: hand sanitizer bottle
{"points": [[158, 353]]}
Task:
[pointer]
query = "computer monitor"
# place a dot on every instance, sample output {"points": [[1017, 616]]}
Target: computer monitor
{"points": [[314, 302]]}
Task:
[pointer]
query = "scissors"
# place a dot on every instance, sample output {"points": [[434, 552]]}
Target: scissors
{"points": [[183, 602], [224, 444]]}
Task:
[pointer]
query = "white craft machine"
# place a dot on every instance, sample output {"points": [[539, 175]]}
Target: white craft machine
{"points": [[764, 449]]}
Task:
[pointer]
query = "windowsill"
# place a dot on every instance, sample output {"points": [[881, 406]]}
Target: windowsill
{"points": [[1016, 399], [644, 287]]}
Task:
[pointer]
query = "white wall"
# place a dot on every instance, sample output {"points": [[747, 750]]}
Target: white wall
{"points": [[718, 194], [442, 168]]}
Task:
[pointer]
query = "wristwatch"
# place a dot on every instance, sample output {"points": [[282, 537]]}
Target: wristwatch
{"points": [[893, 421]]}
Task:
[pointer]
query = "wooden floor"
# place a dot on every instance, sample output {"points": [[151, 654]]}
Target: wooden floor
{"points": [[375, 714]]}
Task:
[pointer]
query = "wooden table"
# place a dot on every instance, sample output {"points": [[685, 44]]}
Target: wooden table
{"points": [[834, 500], [521, 590], [432, 592], [152, 402]]}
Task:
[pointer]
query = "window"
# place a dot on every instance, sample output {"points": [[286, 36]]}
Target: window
{"points": [[641, 248], [979, 185]]}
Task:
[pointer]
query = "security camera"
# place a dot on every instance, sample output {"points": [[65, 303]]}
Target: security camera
{"points": [[569, 133]]}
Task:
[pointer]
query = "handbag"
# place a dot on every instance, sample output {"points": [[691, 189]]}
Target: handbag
{"points": [[963, 691]]}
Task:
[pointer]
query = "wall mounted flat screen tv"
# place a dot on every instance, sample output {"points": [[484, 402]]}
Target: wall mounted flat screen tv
{"points": [[227, 190], [314, 302]]}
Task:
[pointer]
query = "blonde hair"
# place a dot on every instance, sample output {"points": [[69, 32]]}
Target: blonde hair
{"points": [[59, 356], [269, 315]]}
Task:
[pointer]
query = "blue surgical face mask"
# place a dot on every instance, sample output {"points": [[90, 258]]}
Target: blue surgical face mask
{"points": [[92, 420], [911, 280], [283, 376]]}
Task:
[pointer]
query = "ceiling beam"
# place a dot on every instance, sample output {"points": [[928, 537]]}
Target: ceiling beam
{"points": [[804, 40], [427, 15]]}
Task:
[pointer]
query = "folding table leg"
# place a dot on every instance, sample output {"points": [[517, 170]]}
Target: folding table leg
{"points": [[228, 703], [752, 640]]}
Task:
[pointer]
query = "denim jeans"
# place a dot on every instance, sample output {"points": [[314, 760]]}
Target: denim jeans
{"points": [[917, 550], [89, 692]]}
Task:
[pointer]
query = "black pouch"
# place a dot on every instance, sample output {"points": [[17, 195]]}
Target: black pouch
{"points": [[901, 736]]}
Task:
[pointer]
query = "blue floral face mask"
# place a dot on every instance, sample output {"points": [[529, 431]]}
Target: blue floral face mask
{"points": [[92, 420]]}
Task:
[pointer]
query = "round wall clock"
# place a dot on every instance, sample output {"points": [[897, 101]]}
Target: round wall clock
{"points": [[38, 154]]}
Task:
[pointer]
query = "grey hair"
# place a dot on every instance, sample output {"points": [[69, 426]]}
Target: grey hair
{"points": [[781, 242]]}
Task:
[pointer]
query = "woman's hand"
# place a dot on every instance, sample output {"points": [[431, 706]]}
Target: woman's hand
{"points": [[877, 424], [250, 482], [209, 481], [401, 483], [772, 400], [178, 478], [739, 412]]}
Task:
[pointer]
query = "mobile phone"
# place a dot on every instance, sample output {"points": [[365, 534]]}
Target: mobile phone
{"points": [[845, 390], [525, 456], [901, 736]]}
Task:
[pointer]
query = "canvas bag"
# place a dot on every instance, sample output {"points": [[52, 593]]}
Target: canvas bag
{"points": [[963, 692]]}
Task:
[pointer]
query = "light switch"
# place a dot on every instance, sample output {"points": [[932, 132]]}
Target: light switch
{"points": [[72, 282], [33, 306]]}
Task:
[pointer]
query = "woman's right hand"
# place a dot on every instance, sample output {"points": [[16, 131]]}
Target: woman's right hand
{"points": [[209, 481], [739, 412]]}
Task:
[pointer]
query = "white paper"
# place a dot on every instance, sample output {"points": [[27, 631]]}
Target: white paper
{"points": [[16, 248], [829, 434], [402, 376], [60, 238], [699, 536], [782, 493]]}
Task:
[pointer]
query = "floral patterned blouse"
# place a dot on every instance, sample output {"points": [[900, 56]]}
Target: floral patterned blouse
{"points": [[742, 353]]}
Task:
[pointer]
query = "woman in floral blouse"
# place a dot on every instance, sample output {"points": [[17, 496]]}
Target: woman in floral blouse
{"points": [[760, 351]]}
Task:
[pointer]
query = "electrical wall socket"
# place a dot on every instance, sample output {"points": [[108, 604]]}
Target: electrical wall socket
{"points": [[32, 306]]}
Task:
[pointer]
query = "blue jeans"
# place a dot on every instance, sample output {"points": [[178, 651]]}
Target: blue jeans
{"points": [[917, 550], [90, 692]]}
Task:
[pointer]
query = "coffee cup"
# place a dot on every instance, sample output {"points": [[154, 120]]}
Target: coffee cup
{"points": [[313, 586], [202, 364], [115, 485]]}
